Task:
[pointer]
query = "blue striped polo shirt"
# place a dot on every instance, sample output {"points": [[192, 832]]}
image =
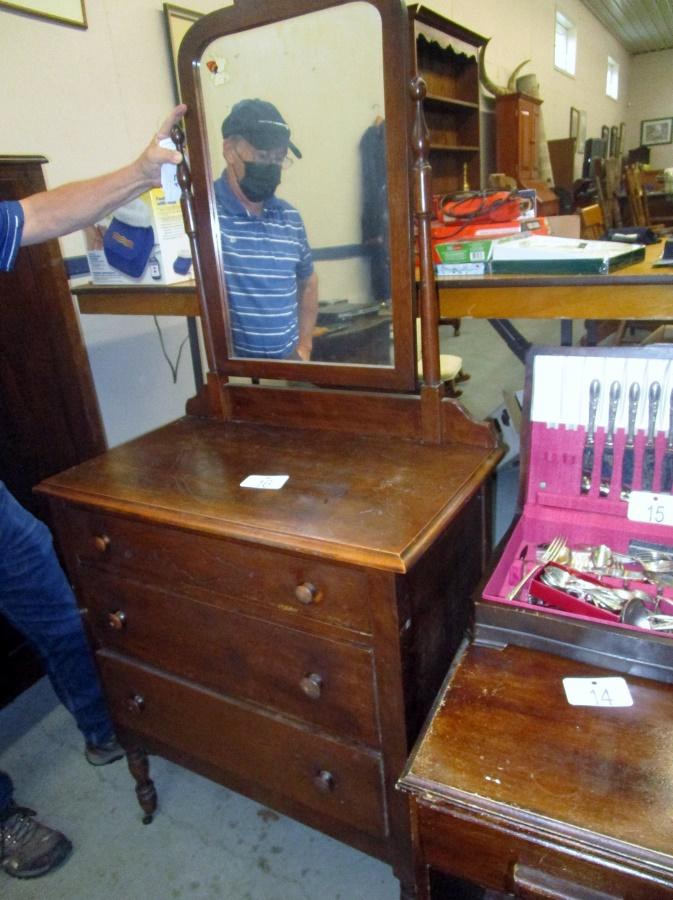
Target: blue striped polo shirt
{"points": [[11, 229], [263, 258]]}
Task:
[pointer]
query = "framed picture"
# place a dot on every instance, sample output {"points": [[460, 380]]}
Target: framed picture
{"points": [[581, 131], [614, 141], [178, 22], [67, 12], [620, 141], [605, 134], [656, 131], [574, 122]]}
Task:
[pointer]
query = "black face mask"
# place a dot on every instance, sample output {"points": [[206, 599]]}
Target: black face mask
{"points": [[260, 180]]}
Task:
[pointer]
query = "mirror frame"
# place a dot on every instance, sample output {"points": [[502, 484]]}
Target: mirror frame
{"points": [[249, 14]]}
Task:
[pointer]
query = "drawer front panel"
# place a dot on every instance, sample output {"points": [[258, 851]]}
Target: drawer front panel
{"points": [[193, 564], [491, 857], [322, 774], [324, 682]]}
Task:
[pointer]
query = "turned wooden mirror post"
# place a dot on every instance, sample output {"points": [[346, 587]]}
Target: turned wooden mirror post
{"points": [[433, 389]]}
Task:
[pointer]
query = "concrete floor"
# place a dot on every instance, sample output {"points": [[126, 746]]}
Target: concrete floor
{"points": [[207, 842]]}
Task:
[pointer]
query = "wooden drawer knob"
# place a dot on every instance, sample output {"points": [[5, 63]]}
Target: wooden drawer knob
{"points": [[135, 704], [307, 593], [116, 620], [311, 685], [101, 543], [324, 782]]}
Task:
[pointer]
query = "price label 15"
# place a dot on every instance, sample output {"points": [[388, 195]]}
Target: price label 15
{"points": [[655, 509], [611, 691]]}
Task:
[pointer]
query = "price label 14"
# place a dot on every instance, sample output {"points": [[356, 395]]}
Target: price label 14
{"points": [[610, 691], [654, 509]]}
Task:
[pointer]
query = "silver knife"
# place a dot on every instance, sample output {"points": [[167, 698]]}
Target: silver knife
{"points": [[648, 457], [629, 452], [588, 454], [608, 459], [667, 466]]}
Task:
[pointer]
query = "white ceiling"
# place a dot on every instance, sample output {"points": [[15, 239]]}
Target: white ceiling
{"points": [[639, 25]]}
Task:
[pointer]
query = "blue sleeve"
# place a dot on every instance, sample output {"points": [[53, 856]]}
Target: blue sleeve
{"points": [[11, 229]]}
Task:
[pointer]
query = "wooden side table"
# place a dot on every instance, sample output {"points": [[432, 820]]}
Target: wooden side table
{"points": [[514, 790]]}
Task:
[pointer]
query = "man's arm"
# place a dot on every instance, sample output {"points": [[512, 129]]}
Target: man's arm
{"points": [[307, 292], [68, 208]]}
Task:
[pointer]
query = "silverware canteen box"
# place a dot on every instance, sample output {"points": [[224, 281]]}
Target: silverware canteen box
{"points": [[597, 469]]}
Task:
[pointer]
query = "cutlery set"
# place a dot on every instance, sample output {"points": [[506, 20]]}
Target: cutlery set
{"points": [[597, 581], [607, 471]]}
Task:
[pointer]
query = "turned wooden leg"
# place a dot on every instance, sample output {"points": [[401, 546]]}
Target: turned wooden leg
{"points": [[139, 767]]}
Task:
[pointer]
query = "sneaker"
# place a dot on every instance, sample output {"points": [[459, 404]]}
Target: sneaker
{"points": [[104, 754], [27, 848]]}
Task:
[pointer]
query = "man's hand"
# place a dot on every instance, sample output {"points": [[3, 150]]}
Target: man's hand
{"points": [[67, 208], [154, 156]]}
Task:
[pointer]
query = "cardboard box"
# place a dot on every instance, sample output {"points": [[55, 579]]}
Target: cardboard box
{"points": [[169, 261]]}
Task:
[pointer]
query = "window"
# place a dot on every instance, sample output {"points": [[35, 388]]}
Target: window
{"points": [[612, 81], [565, 44]]}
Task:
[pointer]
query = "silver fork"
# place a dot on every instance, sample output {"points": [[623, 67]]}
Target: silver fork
{"points": [[554, 549]]}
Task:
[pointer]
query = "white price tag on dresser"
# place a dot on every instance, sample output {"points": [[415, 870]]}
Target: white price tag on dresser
{"points": [[265, 482], [610, 691], [655, 509]]}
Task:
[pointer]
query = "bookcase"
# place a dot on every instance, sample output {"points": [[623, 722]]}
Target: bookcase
{"points": [[445, 55]]}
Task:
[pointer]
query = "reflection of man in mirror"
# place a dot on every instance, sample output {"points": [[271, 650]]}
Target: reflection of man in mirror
{"points": [[272, 288]]}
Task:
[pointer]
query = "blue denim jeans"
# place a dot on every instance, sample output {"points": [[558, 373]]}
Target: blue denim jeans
{"points": [[36, 598]]}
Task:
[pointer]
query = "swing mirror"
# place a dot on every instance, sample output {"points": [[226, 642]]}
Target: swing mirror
{"points": [[307, 279]]}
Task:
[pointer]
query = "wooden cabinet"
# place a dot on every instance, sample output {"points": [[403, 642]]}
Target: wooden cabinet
{"points": [[445, 56], [517, 117], [49, 417]]}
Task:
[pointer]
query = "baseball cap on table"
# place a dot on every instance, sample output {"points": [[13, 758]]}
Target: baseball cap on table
{"points": [[260, 123]]}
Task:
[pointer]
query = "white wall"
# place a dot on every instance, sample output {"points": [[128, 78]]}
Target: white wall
{"points": [[651, 97]]}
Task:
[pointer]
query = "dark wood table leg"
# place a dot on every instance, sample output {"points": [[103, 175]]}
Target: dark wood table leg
{"points": [[139, 767]]}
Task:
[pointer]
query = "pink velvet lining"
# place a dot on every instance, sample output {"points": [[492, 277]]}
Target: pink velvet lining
{"points": [[554, 506]]}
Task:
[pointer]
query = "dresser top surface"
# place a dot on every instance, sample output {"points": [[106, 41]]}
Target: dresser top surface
{"points": [[375, 501], [504, 741]]}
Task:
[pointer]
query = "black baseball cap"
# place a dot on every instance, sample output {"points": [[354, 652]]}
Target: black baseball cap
{"points": [[260, 123]]}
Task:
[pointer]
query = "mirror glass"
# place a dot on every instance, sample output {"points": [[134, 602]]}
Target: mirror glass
{"points": [[306, 269]]}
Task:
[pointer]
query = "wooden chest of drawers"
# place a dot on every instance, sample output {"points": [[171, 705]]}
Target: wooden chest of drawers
{"points": [[285, 643]]}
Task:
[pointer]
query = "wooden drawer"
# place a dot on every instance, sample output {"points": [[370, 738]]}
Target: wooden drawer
{"points": [[506, 857], [209, 567], [330, 778], [325, 682]]}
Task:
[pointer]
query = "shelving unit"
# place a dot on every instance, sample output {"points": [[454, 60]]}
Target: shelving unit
{"points": [[445, 56]]}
